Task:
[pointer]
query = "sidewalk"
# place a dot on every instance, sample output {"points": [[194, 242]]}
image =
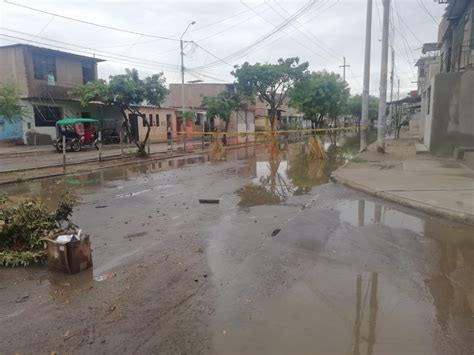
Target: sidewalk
{"points": [[24, 160], [440, 186]]}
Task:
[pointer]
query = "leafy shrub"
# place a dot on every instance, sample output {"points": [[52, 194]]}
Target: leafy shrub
{"points": [[23, 228]]}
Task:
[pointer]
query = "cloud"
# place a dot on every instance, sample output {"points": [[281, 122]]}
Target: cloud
{"points": [[322, 35]]}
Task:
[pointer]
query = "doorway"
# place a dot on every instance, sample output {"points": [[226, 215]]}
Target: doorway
{"points": [[133, 119]]}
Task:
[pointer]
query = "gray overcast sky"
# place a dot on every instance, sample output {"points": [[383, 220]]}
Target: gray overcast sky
{"points": [[322, 34]]}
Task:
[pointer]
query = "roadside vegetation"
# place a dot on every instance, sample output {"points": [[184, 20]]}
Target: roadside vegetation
{"points": [[126, 92], [222, 106], [24, 227], [270, 83], [10, 105], [320, 95]]}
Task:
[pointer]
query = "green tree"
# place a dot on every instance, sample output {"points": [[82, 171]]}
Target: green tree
{"points": [[10, 106], [126, 92], [222, 106], [319, 95], [354, 107], [270, 83]]}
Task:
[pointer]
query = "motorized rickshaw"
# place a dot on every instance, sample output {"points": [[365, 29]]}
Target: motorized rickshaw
{"points": [[78, 132]]}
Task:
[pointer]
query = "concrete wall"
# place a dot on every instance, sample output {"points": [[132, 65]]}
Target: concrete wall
{"points": [[452, 121], [12, 68], [68, 75], [432, 68], [157, 133], [194, 93], [110, 118], [10, 131]]}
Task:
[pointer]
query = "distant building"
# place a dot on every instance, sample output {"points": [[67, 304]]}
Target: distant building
{"points": [[159, 119], [287, 117], [446, 81], [44, 78], [241, 121]]}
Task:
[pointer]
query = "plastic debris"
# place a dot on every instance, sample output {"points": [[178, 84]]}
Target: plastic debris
{"points": [[208, 201], [107, 275], [275, 232], [64, 238]]}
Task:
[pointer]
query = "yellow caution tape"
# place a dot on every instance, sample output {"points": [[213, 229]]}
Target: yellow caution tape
{"points": [[272, 132]]}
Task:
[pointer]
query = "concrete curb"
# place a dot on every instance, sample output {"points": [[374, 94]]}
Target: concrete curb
{"points": [[429, 209]]}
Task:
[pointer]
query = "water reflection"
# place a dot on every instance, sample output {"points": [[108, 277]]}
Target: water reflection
{"points": [[286, 169], [450, 283], [52, 190], [277, 169], [358, 340]]}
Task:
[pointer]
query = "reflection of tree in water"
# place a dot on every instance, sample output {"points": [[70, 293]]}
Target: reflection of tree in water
{"points": [[217, 151], [307, 170], [256, 195], [273, 188], [276, 183]]}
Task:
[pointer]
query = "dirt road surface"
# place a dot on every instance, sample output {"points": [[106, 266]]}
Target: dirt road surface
{"points": [[286, 263]]}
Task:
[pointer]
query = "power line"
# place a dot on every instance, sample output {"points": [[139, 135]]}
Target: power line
{"points": [[314, 41], [83, 50], [212, 54], [222, 20], [404, 22], [420, 3], [44, 28], [91, 23], [307, 15], [230, 27], [243, 51]]}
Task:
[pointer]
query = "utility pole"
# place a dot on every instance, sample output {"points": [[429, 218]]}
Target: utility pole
{"points": [[383, 79], [181, 44], [344, 66], [392, 73], [398, 90], [365, 92]]}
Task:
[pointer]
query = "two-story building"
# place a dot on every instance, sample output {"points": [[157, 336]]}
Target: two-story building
{"points": [[44, 78], [241, 121], [448, 84], [428, 66]]}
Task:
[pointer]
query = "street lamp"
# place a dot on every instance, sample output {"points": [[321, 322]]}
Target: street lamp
{"points": [[182, 79]]}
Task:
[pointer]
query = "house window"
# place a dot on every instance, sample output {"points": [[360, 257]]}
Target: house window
{"points": [[46, 116], [157, 116], [43, 65], [143, 119], [428, 102], [87, 72], [150, 119]]}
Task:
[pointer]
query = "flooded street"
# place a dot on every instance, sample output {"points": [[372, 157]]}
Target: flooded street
{"points": [[286, 263]]}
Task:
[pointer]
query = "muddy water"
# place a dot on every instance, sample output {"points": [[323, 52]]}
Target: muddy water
{"points": [[346, 274], [278, 169]]}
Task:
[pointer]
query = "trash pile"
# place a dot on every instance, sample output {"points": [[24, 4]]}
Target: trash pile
{"points": [[66, 238], [69, 251]]}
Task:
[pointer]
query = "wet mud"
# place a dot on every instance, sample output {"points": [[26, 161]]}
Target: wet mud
{"points": [[345, 273]]}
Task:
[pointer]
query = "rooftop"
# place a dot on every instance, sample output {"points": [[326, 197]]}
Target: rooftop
{"points": [[53, 51]]}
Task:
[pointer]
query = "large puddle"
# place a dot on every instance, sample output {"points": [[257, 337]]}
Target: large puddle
{"points": [[345, 274], [277, 170]]}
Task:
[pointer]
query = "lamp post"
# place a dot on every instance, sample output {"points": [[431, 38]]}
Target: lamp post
{"points": [[182, 79]]}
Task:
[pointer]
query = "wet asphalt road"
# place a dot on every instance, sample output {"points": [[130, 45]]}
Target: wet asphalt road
{"points": [[286, 263]]}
